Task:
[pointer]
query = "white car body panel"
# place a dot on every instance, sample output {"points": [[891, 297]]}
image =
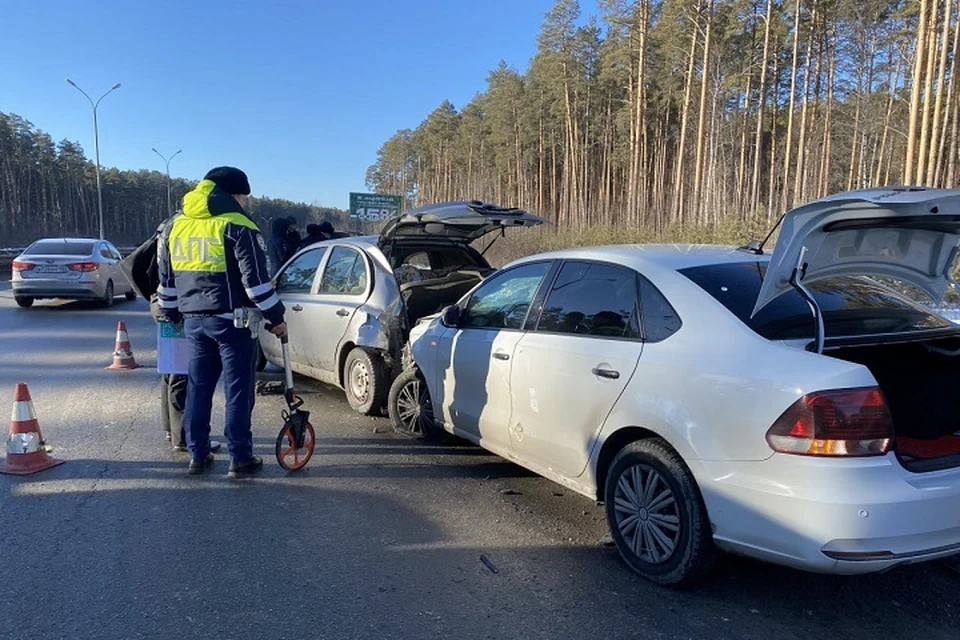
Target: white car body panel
{"points": [[711, 390]]}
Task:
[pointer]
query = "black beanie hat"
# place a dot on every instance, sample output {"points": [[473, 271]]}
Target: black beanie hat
{"points": [[230, 179]]}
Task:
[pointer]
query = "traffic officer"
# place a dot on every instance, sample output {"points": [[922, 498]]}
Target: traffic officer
{"points": [[213, 272]]}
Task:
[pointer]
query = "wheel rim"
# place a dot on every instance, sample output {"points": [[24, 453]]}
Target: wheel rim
{"points": [[647, 513], [414, 409], [359, 381], [289, 456]]}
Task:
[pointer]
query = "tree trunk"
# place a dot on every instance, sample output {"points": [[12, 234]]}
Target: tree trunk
{"points": [[935, 160], [788, 144], [701, 124], [755, 182], [679, 192], [919, 49], [931, 59]]}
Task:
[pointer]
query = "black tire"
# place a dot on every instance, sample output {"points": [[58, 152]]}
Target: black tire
{"points": [[410, 408], [108, 295], [288, 456], [649, 546], [23, 302], [130, 295], [365, 381]]}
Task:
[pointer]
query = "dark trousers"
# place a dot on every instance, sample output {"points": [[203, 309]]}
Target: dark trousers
{"points": [[217, 347], [173, 397]]}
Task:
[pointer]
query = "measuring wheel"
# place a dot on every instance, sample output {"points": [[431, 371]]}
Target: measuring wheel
{"points": [[295, 445], [296, 439]]}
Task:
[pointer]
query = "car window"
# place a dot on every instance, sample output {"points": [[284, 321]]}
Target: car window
{"points": [[60, 248], [299, 274], [592, 299], [114, 253], [345, 273], [851, 305], [503, 300], [105, 252], [419, 260], [659, 319]]}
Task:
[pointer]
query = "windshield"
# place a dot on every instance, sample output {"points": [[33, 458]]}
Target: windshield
{"points": [[59, 248], [851, 305]]}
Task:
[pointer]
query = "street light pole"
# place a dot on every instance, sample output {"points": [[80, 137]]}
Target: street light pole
{"points": [[169, 204], [96, 144]]}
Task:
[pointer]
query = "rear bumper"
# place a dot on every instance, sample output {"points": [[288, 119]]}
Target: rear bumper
{"points": [[832, 516], [57, 289]]}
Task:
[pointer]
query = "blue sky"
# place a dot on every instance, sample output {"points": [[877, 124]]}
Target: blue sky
{"points": [[298, 94]]}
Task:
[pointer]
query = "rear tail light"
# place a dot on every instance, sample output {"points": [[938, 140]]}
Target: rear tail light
{"points": [[83, 266], [842, 422], [20, 265]]}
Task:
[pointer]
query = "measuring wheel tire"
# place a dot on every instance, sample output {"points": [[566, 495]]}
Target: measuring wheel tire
{"points": [[656, 514], [410, 407], [365, 381], [288, 456]]}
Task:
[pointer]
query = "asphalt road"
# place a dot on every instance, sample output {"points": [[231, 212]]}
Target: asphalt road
{"points": [[380, 537]]}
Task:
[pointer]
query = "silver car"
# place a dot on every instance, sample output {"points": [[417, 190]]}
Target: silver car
{"points": [[351, 301], [69, 268]]}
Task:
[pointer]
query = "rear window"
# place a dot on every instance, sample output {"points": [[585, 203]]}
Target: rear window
{"points": [[59, 248], [851, 306]]}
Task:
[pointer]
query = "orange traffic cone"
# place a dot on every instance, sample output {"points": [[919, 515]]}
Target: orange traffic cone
{"points": [[26, 450], [122, 354]]}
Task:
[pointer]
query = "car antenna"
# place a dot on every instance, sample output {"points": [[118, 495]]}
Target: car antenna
{"points": [[756, 247]]}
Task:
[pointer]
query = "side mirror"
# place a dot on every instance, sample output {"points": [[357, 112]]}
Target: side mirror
{"points": [[450, 316]]}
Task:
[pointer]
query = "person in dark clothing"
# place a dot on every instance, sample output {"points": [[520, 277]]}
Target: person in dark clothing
{"points": [[213, 277], [277, 250], [317, 233], [293, 237], [141, 270]]}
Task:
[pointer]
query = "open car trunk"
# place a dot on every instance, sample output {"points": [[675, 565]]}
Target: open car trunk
{"points": [[435, 290], [921, 384]]}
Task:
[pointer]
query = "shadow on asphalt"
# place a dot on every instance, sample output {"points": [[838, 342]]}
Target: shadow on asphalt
{"points": [[363, 556]]}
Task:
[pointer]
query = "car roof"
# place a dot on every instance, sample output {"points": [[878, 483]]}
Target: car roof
{"points": [[667, 256], [67, 240]]}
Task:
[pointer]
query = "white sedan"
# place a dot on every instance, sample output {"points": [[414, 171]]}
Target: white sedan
{"points": [[797, 407]]}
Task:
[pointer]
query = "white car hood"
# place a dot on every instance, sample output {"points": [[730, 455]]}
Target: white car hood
{"points": [[905, 233]]}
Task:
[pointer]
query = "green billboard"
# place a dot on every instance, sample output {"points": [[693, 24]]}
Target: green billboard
{"points": [[374, 207]]}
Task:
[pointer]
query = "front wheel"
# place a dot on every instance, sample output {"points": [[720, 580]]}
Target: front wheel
{"points": [[410, 407], [656, 514], [365, 381], [23, 302]]}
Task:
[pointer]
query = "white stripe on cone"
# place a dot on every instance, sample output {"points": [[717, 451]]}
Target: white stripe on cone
{"points": [[122, 336], [23, 411], [23, 443]]}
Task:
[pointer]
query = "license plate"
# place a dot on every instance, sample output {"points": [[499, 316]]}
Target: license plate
{"points": [[54, 269]]}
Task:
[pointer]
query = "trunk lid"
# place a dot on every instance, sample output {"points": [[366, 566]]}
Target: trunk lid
{"points": [[460, 221], [909, 234]]}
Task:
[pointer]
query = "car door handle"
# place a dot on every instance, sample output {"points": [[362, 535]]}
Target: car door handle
{"points": [[343, 313], [297, 307], [606, 373], [501, 356]]}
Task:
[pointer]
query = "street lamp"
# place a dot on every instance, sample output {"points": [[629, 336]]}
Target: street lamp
{"points": [[96, 143], [169, 205]]}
